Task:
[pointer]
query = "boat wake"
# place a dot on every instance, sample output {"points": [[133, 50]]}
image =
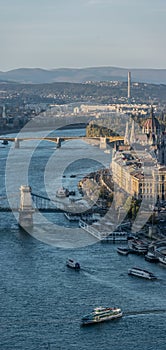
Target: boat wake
{"points": [[88, 271], [144, 312], [92, 275]]}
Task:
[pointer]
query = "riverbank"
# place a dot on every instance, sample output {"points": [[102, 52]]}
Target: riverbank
{"points": [[38, 129]]}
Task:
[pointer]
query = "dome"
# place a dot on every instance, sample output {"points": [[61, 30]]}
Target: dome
{"points": [[151, 125]]}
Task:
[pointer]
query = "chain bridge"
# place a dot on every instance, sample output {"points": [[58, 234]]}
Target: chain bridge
{"points": [[27, 199], [26, 203]]}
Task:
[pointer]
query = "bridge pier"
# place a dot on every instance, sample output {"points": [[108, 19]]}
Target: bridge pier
{"points": [[26, 210], [16, 143], [103, 143]]}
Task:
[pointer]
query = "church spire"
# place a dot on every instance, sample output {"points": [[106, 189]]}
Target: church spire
{"points": [[132, 135], [152, 118], [126, 138]]}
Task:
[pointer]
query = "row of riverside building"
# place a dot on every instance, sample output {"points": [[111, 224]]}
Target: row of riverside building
{"points": [[139, 168], [139, 175]]}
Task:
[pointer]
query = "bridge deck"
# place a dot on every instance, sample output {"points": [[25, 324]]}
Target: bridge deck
{"points": [[62, 138]]}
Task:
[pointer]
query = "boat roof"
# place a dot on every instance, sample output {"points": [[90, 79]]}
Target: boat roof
{"points": [[101, 308], [143, 270]]}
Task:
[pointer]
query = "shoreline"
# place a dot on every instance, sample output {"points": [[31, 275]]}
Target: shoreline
{"points": [[67, 127]]}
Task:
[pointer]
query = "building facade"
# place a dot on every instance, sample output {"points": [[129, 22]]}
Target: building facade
{"points": [[139, 175]]}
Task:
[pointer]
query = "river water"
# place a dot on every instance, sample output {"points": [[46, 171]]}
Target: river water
{"points": [[41, 300]]}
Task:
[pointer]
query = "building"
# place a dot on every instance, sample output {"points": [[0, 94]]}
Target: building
{"points": [[151, 127], [139, 175], [161, 149]]}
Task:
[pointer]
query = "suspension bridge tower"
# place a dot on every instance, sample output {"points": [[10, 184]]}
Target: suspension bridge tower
{"points": [[26, 209]]}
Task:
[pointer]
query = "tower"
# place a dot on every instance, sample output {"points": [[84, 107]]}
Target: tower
{"points": [[151, 128], [126, 138], [3, 112], [26, 210], [132, 135], [129, 85]]}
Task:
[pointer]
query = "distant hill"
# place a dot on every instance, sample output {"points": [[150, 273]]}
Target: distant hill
{"points": [[79, 75]]}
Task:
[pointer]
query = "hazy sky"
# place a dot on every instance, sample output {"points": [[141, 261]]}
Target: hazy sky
{"points": [[82, 33]]}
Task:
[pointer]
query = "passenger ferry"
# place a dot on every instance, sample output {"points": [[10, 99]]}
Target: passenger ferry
{"points": [[122, 250], [137, 246], [151, 257], [73, 264], [160, 250], [136, 271], [101, 314], [162, 259]]}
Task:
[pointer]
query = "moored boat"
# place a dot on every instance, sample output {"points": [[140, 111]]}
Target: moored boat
{"points": [[162, 259], [62, 193], [5, 142], [101, 314], [151, 257], [136, 271], [137, 246], [73, 264], [122, 250]]}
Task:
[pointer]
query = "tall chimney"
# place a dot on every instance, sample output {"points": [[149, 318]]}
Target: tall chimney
{"points": [[129, 85]]}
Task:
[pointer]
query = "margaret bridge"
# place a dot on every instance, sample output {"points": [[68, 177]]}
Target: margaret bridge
{"points": [[58, 140]]}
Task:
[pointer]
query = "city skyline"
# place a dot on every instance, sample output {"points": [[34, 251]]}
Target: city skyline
{"points": [[82, 33]]}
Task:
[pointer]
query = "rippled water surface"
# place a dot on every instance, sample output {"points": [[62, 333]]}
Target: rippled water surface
{"points": [[42, 301]]}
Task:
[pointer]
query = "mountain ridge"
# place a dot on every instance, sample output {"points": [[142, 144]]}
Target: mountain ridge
{"points": [[81, 75]]}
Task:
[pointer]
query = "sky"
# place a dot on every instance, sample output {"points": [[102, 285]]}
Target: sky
{"points": [[82, 33]]}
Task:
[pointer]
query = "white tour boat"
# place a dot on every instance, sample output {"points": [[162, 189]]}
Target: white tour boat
{"points": [[101, 314], [123, 251], [73, 264], [136, 271]]}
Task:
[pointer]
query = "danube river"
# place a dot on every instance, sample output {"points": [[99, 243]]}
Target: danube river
{"points": [[41, 300]]}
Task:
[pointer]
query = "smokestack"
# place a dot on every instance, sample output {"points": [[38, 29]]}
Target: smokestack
{"points": [[3, 112], [129, 85]]}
